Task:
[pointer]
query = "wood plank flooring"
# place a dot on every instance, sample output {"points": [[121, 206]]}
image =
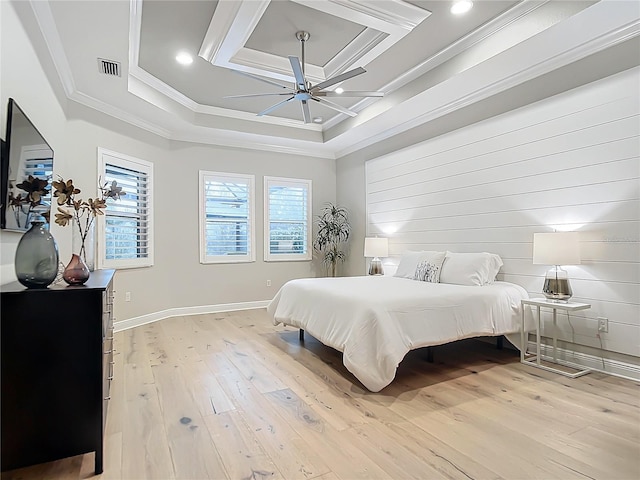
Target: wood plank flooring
{"points": [[232, 396]]}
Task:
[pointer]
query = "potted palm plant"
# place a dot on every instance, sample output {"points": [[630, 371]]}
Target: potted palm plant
{"points": [[333, 231]]}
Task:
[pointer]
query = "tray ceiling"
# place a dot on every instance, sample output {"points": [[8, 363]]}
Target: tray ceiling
{"points": [[416, 51]]}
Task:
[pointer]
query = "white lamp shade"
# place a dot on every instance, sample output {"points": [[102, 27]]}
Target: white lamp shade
{"points": [[558, 248], [376, 247]]}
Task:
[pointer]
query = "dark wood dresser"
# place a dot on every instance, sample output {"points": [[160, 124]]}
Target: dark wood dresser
{"points": [[56, 368]]}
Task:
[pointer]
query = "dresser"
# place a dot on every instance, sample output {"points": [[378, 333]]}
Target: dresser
{"points": [[56, 369]]}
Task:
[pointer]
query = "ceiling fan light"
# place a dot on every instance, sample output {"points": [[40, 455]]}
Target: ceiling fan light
{"points": [[461, 6], [183, 58]]}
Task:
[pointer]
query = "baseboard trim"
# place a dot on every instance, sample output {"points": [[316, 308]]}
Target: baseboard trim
{"points": [[596, 363], [182, 311]]}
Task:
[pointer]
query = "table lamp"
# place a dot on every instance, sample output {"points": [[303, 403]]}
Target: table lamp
{"points": [[558, 248], [376, 247]]}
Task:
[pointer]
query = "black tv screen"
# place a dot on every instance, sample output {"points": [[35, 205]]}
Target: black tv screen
{"points": [[27, 170]]}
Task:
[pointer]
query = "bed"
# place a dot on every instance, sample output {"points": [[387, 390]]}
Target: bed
{"points": [[375, 320]]}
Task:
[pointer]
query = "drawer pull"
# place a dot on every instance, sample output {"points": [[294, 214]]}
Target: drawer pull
{"points": [[108, 397], [108, 352]]}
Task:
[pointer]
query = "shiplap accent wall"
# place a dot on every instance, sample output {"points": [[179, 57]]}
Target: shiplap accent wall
{"points": [[570, 162]]}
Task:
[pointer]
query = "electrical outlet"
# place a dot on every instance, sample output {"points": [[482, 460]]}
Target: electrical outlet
{"points": [[603, 324], [268, 283], [127, 296]]}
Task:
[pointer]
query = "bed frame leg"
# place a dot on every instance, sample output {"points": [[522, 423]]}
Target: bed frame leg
{"points": [[301, 335], [430, 354], [499, 342]]}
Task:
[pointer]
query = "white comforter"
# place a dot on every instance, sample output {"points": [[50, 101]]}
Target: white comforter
{"points": [[376, 320]]}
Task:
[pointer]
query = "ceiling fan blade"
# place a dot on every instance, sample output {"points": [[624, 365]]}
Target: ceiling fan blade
{"points": [[335, 106], [260, 79], [273, 107], [306, 115], [297, 72], [258, 95], [340, 78], [348, 94]]}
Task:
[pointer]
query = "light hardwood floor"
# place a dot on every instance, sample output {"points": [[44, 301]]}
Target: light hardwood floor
{"points": [[231, 396]]}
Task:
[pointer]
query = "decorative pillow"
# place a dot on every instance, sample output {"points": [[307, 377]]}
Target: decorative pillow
{"points": [[470, 268], [427, 272], [410, 261]]}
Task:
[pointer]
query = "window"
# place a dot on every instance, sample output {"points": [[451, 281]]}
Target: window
{"points": [[227, 233], [125, 233], [287, 212]]}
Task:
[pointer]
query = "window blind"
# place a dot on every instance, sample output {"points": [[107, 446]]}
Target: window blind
{"points": [[288, 214], [38, 167], [38, 163], [226, 217]]}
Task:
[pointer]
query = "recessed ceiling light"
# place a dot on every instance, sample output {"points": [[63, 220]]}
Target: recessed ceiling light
{"points": [[460, 7], [317, 119], [339, 90], [184, 58]]}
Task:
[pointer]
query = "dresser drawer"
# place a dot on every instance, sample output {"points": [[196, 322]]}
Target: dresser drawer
{"points": [[55, 371]]}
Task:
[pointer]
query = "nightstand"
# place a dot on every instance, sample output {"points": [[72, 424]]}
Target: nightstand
{"points": [[535, 359]]}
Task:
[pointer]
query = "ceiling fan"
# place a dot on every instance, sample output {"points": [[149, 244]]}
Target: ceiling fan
{"points": [[305, 91]]}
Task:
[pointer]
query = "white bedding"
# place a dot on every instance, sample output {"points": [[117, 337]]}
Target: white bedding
{"points": [[376, 320]]}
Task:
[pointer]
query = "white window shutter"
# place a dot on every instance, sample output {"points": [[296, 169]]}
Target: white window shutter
{"points": [[227, 230], [126, 233], [287, 219]]}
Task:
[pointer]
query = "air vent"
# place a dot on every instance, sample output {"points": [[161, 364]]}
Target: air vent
{"points": [[109, 67]]}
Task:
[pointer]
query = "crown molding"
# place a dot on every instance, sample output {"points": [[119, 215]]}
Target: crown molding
{"points": [[118, 113], [592, 30], [395, 12], [250, 141], [582, 48], [140, 79], [356, 53], [218, 137], [159, 86], [252, 117], [233, 22], [490, 28], [44, 18]]}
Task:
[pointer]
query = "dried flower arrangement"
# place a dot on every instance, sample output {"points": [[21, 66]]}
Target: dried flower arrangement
{"points": [[36, 189], [70, 207]]}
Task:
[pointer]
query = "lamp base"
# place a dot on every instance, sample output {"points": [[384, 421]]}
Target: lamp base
{"points": [[556, 286], [375, 268]]}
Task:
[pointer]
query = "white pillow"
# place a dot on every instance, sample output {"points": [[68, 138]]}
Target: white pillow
{"points": [[410, 261], [470, 268]]}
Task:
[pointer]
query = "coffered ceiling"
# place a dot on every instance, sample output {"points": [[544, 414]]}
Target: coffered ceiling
{"points": [[426, 60]]}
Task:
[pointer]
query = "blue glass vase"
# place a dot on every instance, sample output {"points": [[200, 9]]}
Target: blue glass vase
{"points": [[36, 261]]}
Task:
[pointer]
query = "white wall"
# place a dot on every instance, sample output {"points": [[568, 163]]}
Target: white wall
{"points": [[176, 219], [177, 279], [22, 77], [571, 162]]}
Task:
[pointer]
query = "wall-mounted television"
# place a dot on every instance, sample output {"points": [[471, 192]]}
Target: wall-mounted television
{"points": [[26, 169]]}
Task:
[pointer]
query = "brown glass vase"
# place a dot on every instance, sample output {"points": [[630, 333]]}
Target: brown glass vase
{"points": [[77, 272]]}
